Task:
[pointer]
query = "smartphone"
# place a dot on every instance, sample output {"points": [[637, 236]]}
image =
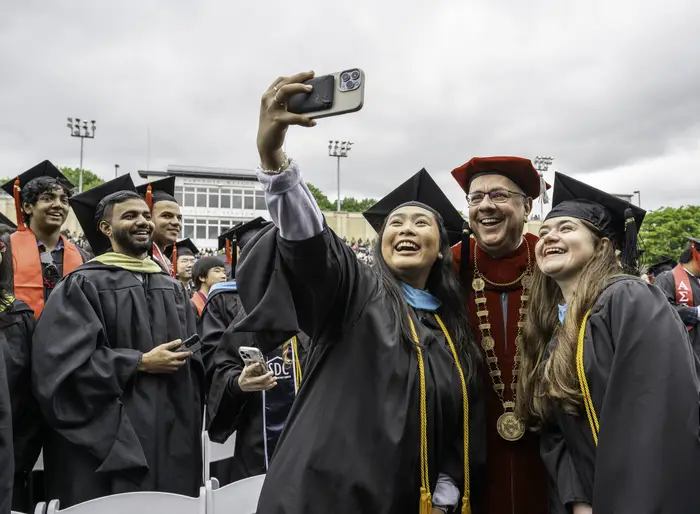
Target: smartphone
{"points": [[251, 355], [192, 344], [333, 95]]}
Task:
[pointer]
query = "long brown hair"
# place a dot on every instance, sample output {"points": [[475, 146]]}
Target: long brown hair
{"points": [[552, 382]]}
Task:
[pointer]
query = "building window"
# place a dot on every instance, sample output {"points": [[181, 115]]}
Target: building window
{"points": [[214, 197], [201, 197], [225, 198], [213, 229], [201, 229], [260, 201], [189, 196], [237, 199], [249, 200], [178, 194], [188, 229]]}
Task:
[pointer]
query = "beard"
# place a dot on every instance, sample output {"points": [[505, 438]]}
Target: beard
{"points": [[130, 245]]}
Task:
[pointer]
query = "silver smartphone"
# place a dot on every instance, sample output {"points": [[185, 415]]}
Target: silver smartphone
{"points": [[252, 355], [334, 94]]}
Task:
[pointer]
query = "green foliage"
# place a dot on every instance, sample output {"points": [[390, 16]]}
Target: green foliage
{"points": [[664, 231], [322, 200], [346, 204], [354, 205], [90, 180]]}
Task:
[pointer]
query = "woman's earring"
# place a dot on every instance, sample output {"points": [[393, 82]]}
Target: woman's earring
{"points": [[439, 255]]}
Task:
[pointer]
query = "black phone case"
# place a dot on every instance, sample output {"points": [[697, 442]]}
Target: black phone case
{"points": [[320, 99]]}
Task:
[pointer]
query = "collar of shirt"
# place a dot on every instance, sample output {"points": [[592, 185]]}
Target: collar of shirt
{"points": [[42, 246]]}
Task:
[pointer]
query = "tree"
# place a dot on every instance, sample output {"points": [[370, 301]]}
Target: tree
{"points": [[664, 231], [322, 200], [354, 205], [90, 180]]}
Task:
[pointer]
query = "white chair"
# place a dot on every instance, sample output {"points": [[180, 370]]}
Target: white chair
{"points": [[39, 465], [135, 503], [237, 498], [214, 452]]}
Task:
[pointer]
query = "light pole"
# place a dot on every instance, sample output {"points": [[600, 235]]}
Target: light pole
{"points": [[116, 170], [639, 197], [542, 164], [82, 131], [339, 149]]}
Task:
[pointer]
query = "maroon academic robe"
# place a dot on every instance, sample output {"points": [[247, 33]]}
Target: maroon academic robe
{"points": [[516, 479]]}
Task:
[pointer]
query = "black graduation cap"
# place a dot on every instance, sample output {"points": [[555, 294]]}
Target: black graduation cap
{"points": [[239, 235], [662, 264], [7, 221], [614, 218], [162, 190], [178, 247], [419, 188], [43, 169], [694, 240], [85, 204]]}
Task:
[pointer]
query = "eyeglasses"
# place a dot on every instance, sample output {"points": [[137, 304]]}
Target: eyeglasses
{"points": [[497, 196]]}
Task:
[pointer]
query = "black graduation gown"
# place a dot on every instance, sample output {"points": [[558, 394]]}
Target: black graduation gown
{"points": [[257, 418], [17, 325], [7, 458], [642, 374], [114, 429], [219, 311], [351, 443], [668, 285]]}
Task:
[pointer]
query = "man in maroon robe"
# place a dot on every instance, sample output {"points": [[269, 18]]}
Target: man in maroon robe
{"points": [[501, 260]]}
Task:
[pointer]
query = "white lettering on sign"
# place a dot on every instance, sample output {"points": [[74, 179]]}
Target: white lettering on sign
{"points": [[276, 365]]}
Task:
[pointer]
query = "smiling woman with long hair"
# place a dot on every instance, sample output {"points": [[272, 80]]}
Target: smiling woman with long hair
{"points": [[388, 418], [608, 373]]}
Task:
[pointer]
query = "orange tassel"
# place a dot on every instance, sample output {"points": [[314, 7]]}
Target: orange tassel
{"points": [[174, 260], [229, 260], [18, 207], [426, 502], [149, 197]]}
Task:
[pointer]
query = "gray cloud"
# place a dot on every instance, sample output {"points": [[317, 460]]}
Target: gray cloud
{"points": [[609, 89]]}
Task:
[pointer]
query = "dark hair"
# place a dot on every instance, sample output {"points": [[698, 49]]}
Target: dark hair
{"points": [[33, 189], [687, 254], [202, 268], [443, 284], [106, 206]]}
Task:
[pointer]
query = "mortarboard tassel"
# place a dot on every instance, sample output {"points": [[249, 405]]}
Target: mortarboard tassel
{"points": [[630, 251], [228, 252], [18, 207], [149, 197], [695, 253], [173, 258]]}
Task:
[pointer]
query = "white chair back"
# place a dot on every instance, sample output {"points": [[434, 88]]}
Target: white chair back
{"points": [[238, 498], [214, 452], [136, 503]]}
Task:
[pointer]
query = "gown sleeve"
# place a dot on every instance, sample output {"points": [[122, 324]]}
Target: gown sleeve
{"points": [[7, 460], [219, 312], [226, 401], [566, 487], [667, 284], [303, 266], [648, 456], [78, 379]]}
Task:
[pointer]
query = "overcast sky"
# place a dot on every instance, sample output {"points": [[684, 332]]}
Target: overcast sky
{"points": [[611, 89]]}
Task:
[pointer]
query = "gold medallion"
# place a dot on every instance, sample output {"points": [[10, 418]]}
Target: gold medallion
{"points": [[478, 284], [488, 343], [510, 427], [526, 281]]}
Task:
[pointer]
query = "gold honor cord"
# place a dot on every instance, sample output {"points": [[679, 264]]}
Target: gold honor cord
{"points": [[426, 505], [585, 391], [297, 364]]}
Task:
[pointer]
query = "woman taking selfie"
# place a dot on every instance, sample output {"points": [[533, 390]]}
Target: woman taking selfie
{"points": [[387, 416], [608, 372]]}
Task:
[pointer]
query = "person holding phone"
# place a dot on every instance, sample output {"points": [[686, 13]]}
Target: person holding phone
{"points": [[389, 416], [122, 403]]}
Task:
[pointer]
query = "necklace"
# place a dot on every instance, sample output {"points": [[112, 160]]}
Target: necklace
{"points": [[509, 426]]}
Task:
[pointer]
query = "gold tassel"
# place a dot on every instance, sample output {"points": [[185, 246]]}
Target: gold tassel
{"points": [[426, 502], [466, 507]]}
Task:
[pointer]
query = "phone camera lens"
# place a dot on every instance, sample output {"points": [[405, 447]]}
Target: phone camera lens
{"points": [[355, 75], [350, 84], [345, 77]]}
